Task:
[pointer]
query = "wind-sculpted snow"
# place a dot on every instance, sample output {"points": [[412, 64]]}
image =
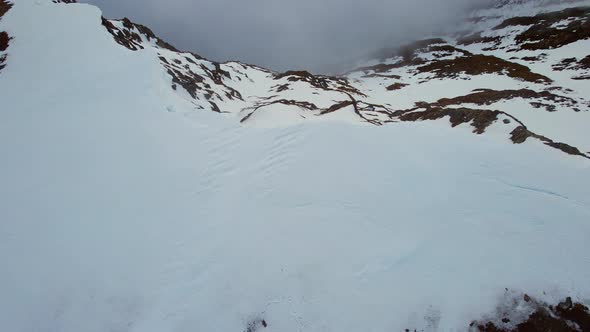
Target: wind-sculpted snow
{"points": [[149, 189]]}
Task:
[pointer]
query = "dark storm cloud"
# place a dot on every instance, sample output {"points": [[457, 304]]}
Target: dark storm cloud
{"points": [[285, 34]]}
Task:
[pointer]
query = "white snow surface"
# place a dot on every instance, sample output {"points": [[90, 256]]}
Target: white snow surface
{"points": [[121, 209]]}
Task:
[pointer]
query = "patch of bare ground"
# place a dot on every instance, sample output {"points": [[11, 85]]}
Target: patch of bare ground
{"points": [[477, 64], [65, 1], [396, 86], [543, 32], [328, 83], [566, 316], [488, 97], [301, 104]]}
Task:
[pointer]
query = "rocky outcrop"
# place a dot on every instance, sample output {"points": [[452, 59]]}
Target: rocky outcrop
{"points": [[566, 316], [4, 37]]}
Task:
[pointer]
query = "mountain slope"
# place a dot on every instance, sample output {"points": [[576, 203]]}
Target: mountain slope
{"points": [[127, 205], [394, 88]]}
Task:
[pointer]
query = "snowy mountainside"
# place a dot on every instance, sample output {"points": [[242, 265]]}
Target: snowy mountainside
{"points": [[475, 78], [149, 189]]}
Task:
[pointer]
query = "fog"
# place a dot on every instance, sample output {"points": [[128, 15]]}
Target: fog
{"points": [[318, 35]]}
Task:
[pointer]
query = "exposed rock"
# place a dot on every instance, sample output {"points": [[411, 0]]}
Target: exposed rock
{"points": [[520, 134], [319, 81], [301, 104], [4, 37], [396, 86], [337, 107], [478, 64], [255, 325], [409, 55], [543, 34], [477, 38], [565, 317], [488, 97], [573, 64], [4, 7], [479, 119]]}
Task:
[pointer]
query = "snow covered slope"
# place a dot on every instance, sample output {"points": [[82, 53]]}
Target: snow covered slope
{"points": [[126, 204], [525, 77]]}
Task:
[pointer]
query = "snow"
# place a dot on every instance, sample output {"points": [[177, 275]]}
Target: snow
{"points": [[118, 215]]}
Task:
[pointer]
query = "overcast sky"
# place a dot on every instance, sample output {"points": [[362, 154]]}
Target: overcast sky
{"points": [[319, 35]]}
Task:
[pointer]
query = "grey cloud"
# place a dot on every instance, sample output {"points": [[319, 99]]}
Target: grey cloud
{"points": [[319, 35]]}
